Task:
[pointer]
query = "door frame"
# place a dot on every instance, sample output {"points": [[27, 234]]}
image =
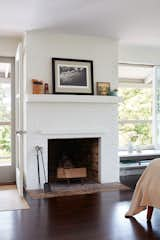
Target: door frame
{"points": [[19, 118]]}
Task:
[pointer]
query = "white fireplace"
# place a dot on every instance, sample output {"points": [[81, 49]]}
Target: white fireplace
{"points": [[72, 117]]}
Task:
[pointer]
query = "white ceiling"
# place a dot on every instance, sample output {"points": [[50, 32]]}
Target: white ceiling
{"points": [[130, 21]]}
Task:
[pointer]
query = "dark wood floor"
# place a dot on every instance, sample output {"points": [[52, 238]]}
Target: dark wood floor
{"points": [[87, 217]]}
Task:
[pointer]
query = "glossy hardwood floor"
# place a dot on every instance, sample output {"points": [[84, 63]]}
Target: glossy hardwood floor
{"points": [[86, 217]]}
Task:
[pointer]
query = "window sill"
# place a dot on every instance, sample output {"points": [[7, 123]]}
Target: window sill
{"points": [[144, 153], [135, 160]]}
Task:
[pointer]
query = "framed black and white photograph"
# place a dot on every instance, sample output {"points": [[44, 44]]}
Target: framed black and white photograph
{"points": [[72, 76]]}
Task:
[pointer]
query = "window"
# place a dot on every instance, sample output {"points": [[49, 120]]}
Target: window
{"points": [[135, 110], [5, 114]]}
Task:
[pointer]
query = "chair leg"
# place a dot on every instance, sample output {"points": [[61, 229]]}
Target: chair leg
{"points": [[149, 213]]}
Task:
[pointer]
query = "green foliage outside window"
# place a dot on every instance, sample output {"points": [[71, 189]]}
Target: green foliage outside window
{"points": [[5, 140], [136, 105]]}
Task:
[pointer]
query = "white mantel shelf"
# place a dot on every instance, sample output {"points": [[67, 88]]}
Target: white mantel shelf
{"points": [[51, 98]]}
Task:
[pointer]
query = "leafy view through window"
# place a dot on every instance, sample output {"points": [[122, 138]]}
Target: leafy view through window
{"points": [[5, 114], [135, 110]]}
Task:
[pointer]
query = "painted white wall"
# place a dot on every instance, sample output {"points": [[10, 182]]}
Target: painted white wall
{"points": [[138, 54], [40, 47], [73, 120], [43, 45], [8, 46]]}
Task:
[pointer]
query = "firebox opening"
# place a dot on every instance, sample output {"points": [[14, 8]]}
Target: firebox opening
{"points": [[73, 159]]}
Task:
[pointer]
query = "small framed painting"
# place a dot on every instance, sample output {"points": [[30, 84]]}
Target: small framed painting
{"points": [[72, 76], [103, 88]]}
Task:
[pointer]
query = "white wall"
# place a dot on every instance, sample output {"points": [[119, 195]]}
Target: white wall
{"points": [[139, 54], [72, 120], [43, 45], [8, 46], [40, 47]]}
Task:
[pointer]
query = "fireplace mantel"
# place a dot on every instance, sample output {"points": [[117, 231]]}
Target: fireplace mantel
{"points": [[51, 98]]}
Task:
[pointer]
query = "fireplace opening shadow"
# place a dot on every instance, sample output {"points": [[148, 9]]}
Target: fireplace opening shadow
{"points": [[73, 162]]}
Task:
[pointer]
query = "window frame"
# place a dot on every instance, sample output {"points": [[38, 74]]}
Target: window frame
{"points": [[7, 123]]}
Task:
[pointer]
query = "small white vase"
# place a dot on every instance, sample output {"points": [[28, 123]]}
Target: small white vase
{"points": [[138, 149], [130, 147]]}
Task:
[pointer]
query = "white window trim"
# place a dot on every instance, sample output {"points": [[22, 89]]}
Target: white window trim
{"points": [[153, 121]]}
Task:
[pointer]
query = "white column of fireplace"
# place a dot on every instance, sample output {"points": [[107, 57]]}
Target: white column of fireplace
{"points": [[59, 117]]}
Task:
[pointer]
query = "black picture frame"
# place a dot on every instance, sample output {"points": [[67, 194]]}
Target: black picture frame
{"points": [[72, 76]]}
